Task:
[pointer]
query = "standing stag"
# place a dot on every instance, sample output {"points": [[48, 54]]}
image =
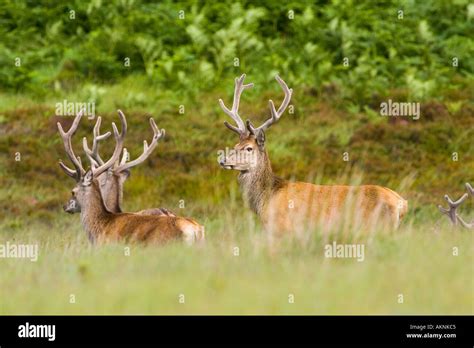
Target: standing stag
{"points": [[285, 206], [453, 206], [103, 225]]}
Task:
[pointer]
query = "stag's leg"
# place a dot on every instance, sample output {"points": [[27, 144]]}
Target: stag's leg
{"points": [[390, 216]]}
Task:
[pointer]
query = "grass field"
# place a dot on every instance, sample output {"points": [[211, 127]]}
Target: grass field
{"points": [[416, 262], [427, 261]]}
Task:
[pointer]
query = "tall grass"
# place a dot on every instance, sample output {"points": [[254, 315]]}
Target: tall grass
{"points": [[239, 270], [417, 264]]}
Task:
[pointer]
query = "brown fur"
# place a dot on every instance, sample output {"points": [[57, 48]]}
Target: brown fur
{"points": [[111, 188], [285, 206], [104, 226]]}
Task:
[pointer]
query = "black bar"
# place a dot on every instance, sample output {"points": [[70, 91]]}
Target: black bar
{"points": [[289, 330]]}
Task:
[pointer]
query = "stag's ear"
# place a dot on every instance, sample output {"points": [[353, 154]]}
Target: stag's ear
{"points": [[260, 137], [123, 175], [258, 133], [87, 180]]}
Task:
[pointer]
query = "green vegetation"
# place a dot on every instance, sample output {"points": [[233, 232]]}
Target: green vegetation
{"points": [[181, 45], [417, 263], [190, 62]]}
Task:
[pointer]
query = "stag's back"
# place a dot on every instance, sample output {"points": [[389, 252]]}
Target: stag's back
{"points": [[152, 229]]}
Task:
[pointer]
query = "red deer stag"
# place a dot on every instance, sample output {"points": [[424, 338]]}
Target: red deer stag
{"points": [[102, 225], [285, 206]]}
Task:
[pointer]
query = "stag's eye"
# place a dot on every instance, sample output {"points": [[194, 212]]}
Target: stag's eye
{"points": [[249, 149]]}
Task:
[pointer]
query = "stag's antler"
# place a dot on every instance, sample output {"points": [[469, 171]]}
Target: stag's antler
{"points": [[275, 115], [98, 168], [453, 205], [79, 171], [122, 165], [234, 112], [147, 150], [470, 189], [93, 154]]}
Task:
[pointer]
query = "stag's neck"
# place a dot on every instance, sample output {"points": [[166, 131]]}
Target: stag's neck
{"points": [[112, 202], [259, 184], [112, 194], [94, 214]]}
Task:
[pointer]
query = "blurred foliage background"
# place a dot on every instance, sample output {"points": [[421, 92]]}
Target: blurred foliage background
{"points": [[190, 46]]}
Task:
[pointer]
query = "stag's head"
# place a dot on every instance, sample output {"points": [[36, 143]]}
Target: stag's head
{"points": [[250, 153], [80, 194], [110, 175], [78, 174]]}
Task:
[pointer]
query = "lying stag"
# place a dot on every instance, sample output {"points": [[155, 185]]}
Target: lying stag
{"points": [[292, 206], [101, 224], [453, 206]]}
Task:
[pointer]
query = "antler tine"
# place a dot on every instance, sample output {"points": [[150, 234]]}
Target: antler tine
{"points": [[124, 156], [467, 225], [450, 213], [453, 205], [457, 203], [275, 115], [234, 112], [70, 172], [66, 137], [469, 188], [119, 139], [94, 153], [147, 150]]}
